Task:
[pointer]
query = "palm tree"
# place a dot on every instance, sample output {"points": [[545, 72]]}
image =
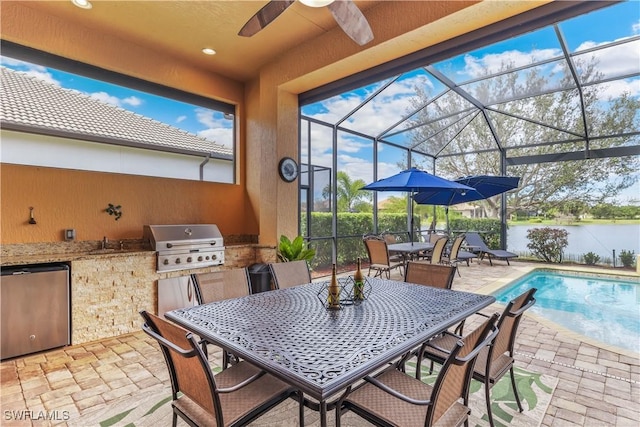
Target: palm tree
{"points": [[350, 197]]}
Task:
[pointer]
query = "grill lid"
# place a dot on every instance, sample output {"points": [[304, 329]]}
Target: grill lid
{"points": [[163, 237]]}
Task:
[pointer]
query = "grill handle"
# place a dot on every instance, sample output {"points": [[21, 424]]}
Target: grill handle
{"points": [[175, 245]]}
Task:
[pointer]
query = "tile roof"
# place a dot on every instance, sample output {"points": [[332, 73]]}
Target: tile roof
{"points": [[30, 103]]}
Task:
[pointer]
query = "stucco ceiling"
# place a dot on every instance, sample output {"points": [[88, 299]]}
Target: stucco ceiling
{"points": [[182, 28]]}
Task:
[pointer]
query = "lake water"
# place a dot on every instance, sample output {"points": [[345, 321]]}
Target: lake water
{"points": [[599, 239]]}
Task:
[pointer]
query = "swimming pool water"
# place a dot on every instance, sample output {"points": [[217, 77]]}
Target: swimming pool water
{"points": [[605, 309]]}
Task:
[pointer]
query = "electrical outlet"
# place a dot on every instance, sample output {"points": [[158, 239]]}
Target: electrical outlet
{"points": [[69, 234]]}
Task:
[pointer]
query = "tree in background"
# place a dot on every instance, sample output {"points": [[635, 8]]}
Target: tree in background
{"points": [[589, 180], [350, 196]]}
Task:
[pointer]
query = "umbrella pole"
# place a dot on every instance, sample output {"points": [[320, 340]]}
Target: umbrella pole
{"points": [[411, 220]]}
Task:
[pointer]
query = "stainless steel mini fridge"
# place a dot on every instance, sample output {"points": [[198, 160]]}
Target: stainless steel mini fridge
{"points": [[34, 309], [177, 292]]}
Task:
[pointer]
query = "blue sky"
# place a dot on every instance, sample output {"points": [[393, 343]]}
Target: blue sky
{"points": [[604, 26], [393, 103], [206, 123]]}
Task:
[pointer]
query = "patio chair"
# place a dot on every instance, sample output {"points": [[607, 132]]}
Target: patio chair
{"points": [[480, 247], [466, 256], [436, 275], [452, 257], [379, 259], [495, 360], [289, 274], [221, 285], [394, 398], [218, 286], [234, 397], [436, 254]]}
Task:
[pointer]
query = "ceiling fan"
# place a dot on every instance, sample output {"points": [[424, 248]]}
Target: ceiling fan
{"points": [[345, 12]]}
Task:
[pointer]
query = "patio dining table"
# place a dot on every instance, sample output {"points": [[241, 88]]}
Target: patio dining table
{"points": [[293, 336], [409, 249]]}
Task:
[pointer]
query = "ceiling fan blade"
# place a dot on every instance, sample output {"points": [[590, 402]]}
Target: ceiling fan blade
{"points": [[268, 13], [352, 21]]}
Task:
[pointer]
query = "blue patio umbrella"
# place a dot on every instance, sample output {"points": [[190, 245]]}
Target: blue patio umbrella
{"points": [[485, 186], [413, 181]]}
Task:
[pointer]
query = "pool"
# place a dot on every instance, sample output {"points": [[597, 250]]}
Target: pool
{"points": [[604, 308]]}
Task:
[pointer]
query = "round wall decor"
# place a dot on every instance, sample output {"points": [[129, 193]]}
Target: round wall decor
{"points": [[288, 169]]}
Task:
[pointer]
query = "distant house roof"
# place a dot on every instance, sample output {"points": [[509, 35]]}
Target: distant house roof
{"points": [[32, 105]]}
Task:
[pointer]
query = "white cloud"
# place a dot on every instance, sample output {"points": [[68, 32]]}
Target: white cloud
{"points": [[106, 98], [494, 62], [636, 27], [218, 130], [36, 71], [133, 101], [220, 136], [180, 119]]}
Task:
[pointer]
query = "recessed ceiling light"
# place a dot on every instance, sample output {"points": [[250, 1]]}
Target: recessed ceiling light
{"points": [[208, 51], [316, 3], [84, 4]]}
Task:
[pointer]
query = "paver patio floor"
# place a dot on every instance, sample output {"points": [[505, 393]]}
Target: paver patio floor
{"points": [[598, 385]]}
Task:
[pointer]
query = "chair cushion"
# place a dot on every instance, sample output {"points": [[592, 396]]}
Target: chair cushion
{"points": [[381, 404], [236, 405], [499, 366]]}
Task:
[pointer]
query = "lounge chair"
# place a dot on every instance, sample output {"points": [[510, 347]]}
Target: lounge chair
{"points": [[479, 246]]}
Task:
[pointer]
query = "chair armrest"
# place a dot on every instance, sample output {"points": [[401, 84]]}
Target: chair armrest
{"points": [[396, 393], [242, 384], [165, 342]]}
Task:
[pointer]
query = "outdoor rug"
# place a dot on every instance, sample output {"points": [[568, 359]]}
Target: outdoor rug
{"points": [[153, 409]]}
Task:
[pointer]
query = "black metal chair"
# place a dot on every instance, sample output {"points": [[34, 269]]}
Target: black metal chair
{"points": [[218, 286], [288, 274], [394, 398], [495, 360], [234, 397]]}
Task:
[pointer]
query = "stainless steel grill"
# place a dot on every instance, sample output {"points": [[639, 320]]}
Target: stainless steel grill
{"points": [[186, 246]]}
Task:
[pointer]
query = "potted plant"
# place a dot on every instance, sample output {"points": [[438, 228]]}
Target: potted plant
{"points": [[295, 250]]}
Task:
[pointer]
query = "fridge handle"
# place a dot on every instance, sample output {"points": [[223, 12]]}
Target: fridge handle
{"points": [[190, 289]]}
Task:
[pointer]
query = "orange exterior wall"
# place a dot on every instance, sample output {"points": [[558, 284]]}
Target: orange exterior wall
{"points": [[75, 199], [261, 203], [78, 199]]}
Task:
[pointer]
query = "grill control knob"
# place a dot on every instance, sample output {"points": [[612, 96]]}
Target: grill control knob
{"points": [[178, 261], [200, 258], [165, 262], [214, 256], [189, 259]]}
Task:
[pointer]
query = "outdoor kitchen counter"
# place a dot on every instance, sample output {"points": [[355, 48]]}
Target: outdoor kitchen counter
{"points": [[44, 258], [109, 288]]}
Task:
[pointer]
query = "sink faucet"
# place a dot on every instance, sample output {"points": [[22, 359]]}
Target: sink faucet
{"points": [[104, 242]]}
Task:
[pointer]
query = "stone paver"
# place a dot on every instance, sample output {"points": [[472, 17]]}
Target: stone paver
{"points": [[597, 386]]}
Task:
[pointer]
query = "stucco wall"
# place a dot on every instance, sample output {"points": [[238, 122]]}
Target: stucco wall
{"points": [[267, 112]]}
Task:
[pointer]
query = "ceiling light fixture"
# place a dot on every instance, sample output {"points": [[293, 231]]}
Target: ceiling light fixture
{"points": [[316, 3], [208, 51], [83, 4]]}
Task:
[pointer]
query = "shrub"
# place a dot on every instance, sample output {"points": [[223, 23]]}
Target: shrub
{"points": [[548, 243], [627, 258], [294, 250], [591, 259]]}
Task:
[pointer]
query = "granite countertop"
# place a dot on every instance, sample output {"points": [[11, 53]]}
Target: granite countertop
{"points": [[44, 258]]}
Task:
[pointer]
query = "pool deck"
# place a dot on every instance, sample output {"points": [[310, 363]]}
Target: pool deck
{"points": [[598, 385]]}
